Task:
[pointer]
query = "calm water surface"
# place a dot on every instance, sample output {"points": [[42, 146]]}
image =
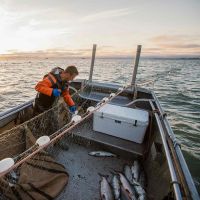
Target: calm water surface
{"points": [[176, 83]]}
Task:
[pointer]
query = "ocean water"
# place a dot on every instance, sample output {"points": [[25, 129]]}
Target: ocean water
{"points": [[175, 82]]}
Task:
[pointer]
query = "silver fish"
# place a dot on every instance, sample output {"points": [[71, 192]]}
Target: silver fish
{"points": [[106, 192], [142, 197], [102, 154], [127, 187], [135, 169], [128, 174], [116, 187], [142, 179], [139, 190]]}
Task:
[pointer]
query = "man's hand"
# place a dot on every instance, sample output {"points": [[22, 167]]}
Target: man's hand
{"points": [[72, 109], [56, 92]]}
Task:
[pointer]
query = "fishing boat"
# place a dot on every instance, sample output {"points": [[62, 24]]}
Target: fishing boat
{"points": [[23, 137]]}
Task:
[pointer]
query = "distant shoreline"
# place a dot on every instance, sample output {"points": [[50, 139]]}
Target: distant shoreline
{"points": [[7, 58]]}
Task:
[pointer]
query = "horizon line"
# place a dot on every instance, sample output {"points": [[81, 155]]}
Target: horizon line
{"points": [[86, 55], [196, 57]]}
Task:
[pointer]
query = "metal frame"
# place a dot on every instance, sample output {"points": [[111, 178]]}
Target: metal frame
{"points": [[174, 178], [187, 175], [92, 62], [9, 115], [137, 59]]}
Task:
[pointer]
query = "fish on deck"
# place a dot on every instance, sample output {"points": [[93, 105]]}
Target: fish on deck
{"points": [[101, 154], [105, 190]]}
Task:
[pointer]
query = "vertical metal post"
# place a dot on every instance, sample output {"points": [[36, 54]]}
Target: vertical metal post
{"points": [[92, 62], [136, 64]]}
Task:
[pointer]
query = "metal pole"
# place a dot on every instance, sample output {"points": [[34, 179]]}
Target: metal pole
{"points": [[136, 64], [92, 62], [183, 165], [168, 157]]}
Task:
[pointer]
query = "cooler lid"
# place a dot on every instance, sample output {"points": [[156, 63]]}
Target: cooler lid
{"points": [[125, 114]]}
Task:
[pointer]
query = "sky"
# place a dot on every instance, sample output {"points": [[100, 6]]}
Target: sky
{"points": [[71, 27]]}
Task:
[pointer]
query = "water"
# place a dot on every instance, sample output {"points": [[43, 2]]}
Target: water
{"points": [[176, 84]]}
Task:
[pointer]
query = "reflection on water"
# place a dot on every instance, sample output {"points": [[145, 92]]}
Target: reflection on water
{"points": [[176, 83]]}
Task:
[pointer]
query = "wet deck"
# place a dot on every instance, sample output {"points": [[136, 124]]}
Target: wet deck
{"points": [[84, 171], [119, 146]]}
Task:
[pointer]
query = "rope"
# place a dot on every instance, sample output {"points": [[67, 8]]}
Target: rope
{"points": [[55, 136]]}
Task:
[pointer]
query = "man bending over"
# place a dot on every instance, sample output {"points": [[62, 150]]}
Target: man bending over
{"points": [[53, 85]]}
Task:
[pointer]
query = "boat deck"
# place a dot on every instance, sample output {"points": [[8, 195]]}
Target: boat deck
{"points": [[122, 147], [98, 96], [84, 171]]}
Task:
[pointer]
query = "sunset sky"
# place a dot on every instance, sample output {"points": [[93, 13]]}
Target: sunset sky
{"points": [[70, 27]]}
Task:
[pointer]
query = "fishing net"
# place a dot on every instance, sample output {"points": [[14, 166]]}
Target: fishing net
{"points": [[40, 177], [13, 142], [37, 177]]}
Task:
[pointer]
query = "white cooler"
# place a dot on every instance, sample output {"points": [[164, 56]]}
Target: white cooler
{"points": [[122, 122]]}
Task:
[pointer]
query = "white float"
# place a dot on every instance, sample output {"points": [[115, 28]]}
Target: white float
{"points": [[76, 112], [90, 109], [120, 88], [112, 94], [76, 118], [5, 164], [105, 99], [43, 140]]}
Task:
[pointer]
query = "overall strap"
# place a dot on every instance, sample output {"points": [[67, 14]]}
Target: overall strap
{"points": [[52, 79]]}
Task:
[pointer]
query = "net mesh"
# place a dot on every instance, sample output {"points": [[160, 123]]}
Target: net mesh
{"points": [[13, 142], [19, 142]]}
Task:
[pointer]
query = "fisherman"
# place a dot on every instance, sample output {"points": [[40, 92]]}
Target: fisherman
{"points": [[53, 85]]}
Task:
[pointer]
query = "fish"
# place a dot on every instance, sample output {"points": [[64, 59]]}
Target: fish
{"points": [[142, 197], [135, 169], [105, 190], [137, 186], [142, 179], [139, 190], [124, 194], [116, 187], [127, 187], [128, 173], [101, 154]]}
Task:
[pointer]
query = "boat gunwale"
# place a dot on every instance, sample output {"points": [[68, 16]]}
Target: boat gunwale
{"points": [[163, 118]]}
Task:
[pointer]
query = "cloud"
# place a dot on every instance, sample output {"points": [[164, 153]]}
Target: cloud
{"points": [[107, 14], [49, 53], [174, 45], [103, 51], [180, 46], [177, 41]]}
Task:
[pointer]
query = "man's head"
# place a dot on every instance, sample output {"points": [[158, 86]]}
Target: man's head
{"points": [[69, 73]]}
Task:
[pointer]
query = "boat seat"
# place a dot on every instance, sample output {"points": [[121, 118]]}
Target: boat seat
{"points": [[122, 147]]}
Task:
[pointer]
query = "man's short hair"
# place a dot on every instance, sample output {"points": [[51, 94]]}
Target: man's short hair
{"points": [[71, 70]]}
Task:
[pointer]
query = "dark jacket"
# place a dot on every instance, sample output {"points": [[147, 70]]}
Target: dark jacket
{"points": [[45, 99]]}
